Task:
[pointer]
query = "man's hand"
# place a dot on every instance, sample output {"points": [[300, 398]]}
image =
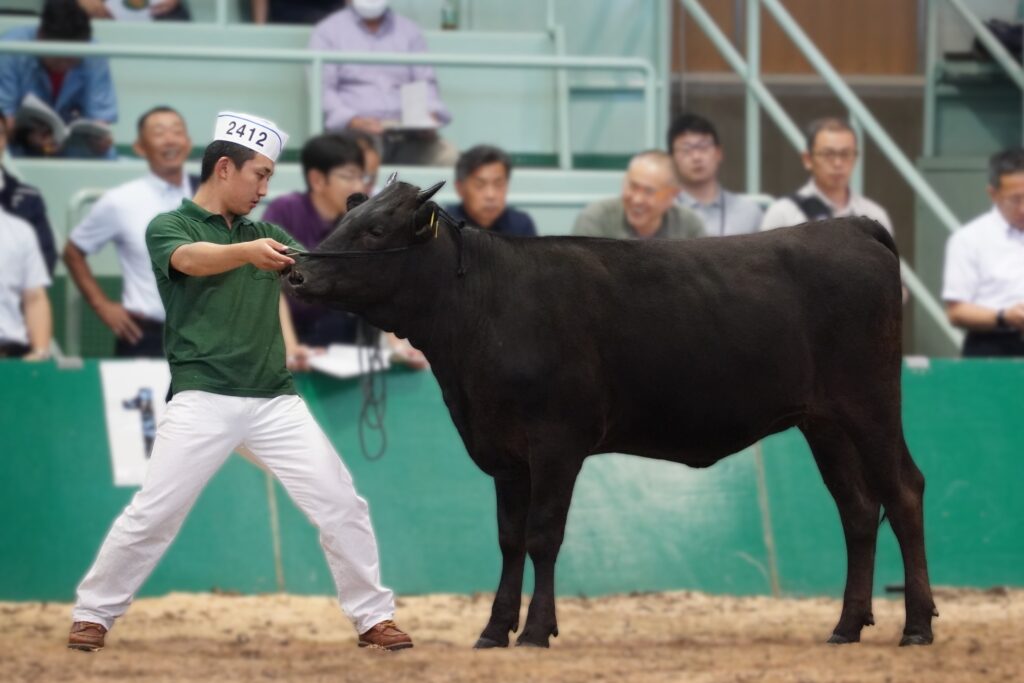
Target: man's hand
{"points": [[163, 7], [96, 9], [266, 254], [405, 353], [1014, 316], [119, 321], [297, 359], [366, 124]]}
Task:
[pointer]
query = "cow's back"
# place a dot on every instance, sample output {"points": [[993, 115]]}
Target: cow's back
{"points": [[708, 342]]}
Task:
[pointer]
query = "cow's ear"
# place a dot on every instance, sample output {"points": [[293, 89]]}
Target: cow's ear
{"points": [[425, 221], [355, 200]]}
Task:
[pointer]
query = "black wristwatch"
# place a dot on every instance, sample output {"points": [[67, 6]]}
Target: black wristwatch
{"points": [[1001, 319]]}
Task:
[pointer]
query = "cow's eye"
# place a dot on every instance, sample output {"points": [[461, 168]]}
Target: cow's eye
{"points": [[376, 231]]}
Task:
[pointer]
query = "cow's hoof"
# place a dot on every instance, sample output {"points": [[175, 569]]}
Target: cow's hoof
{"points": [[527, 643], [916, 639], [484, 643], [840, 639]]}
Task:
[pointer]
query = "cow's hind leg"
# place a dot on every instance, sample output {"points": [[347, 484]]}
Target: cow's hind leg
{"points": [[892, 473], [842, 471], [513, 499], [552, 475]]}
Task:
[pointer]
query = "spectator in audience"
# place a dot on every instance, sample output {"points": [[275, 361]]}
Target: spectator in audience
{"points": [[292, 11], [160, 10], [830, 156], [25, 202], [647, 208], [983, 283], [333, 166], [26, 323], [367, 97], [121, 216], [481, 181], [75, 88], [694, 145]]}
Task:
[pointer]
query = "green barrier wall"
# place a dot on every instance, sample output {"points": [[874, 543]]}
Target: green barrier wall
{"points": [[634, 524]]}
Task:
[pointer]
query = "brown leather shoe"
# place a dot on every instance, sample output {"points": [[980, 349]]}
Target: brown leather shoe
{"points": [[86, 636], [385, 636]]}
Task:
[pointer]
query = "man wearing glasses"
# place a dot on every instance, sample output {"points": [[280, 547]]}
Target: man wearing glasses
{"points": [[830, 157], [334, 167], [695, 147]]}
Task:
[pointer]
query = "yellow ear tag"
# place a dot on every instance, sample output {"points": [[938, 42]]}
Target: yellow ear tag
{"points": [[433, 222]]}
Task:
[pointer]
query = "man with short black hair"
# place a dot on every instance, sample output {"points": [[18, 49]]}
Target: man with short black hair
{"points": [[218, 277], [983, 283], [482, 174], [694, 145], [332, 166], [24, 201], [830, 157], [647, 207], [73, 87], [121, 216]]}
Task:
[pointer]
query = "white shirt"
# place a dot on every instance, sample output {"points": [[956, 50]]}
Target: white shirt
{"points": [[21, 268], [985, 263], [784, 212], [121, 215]]}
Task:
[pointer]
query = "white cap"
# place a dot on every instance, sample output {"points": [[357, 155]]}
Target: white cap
{"points": [[250, 131]]}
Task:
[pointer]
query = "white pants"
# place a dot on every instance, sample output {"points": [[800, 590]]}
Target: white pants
{"points": [[196, 434]]}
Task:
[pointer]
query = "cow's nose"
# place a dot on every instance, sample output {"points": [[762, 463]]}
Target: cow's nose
{"points": [[295, 277]]}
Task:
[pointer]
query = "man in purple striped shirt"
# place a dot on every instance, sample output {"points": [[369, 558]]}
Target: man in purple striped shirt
{"points": [[367, 97]]}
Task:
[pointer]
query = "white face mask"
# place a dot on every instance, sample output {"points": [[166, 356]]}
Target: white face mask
{"points": [[370, 10]]}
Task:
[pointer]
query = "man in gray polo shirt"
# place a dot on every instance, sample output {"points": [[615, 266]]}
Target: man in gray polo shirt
{"points": [[647, 208]]}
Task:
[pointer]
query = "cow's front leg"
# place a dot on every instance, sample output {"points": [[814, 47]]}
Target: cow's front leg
{"points": [[552, 481], [513, 499]]}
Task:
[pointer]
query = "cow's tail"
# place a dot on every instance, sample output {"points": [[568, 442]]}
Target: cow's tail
{"points": [[878, 231]]}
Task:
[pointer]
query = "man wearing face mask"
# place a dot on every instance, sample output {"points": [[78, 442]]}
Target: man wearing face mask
{"points": [[121, 216], [367, 97], [75, 88]]}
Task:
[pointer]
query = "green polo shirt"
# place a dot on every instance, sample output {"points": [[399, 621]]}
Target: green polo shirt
{"points": [[223, 332]]}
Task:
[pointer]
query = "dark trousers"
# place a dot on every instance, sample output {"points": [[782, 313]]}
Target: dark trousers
{"points": [[12, 349], [993, 344], [150, 346]]}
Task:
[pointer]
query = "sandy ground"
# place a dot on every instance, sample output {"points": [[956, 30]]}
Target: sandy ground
{"points": [[651, 637]]}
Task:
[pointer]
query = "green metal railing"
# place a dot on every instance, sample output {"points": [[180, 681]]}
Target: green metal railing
{"points": [[861, 118], [317, 59], [999, 53]]}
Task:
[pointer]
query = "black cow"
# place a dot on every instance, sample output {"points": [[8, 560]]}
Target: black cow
{"points": [[548, 350]]}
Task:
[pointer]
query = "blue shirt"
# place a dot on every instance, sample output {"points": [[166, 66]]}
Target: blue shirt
{"points": [[510, 222], [87, 91]]}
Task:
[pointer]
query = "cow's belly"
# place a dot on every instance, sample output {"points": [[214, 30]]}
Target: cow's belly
{"points": [[698, 443]]}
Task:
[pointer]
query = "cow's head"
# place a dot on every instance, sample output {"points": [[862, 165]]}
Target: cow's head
{"points": [[364, 258]]}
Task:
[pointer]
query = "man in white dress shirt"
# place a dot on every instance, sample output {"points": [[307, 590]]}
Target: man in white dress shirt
{"points": [[121, 216], [26, 323], [983, 282], [830, 157]]}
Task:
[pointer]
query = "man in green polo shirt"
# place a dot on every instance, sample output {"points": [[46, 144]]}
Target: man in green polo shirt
{"points": [[217, 275]]}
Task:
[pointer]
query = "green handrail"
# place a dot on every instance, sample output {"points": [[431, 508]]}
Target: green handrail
{"points": [[317, 58], [858, 113]]}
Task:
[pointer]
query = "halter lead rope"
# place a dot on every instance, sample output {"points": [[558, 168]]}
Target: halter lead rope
{"points": [[456, 226]]}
